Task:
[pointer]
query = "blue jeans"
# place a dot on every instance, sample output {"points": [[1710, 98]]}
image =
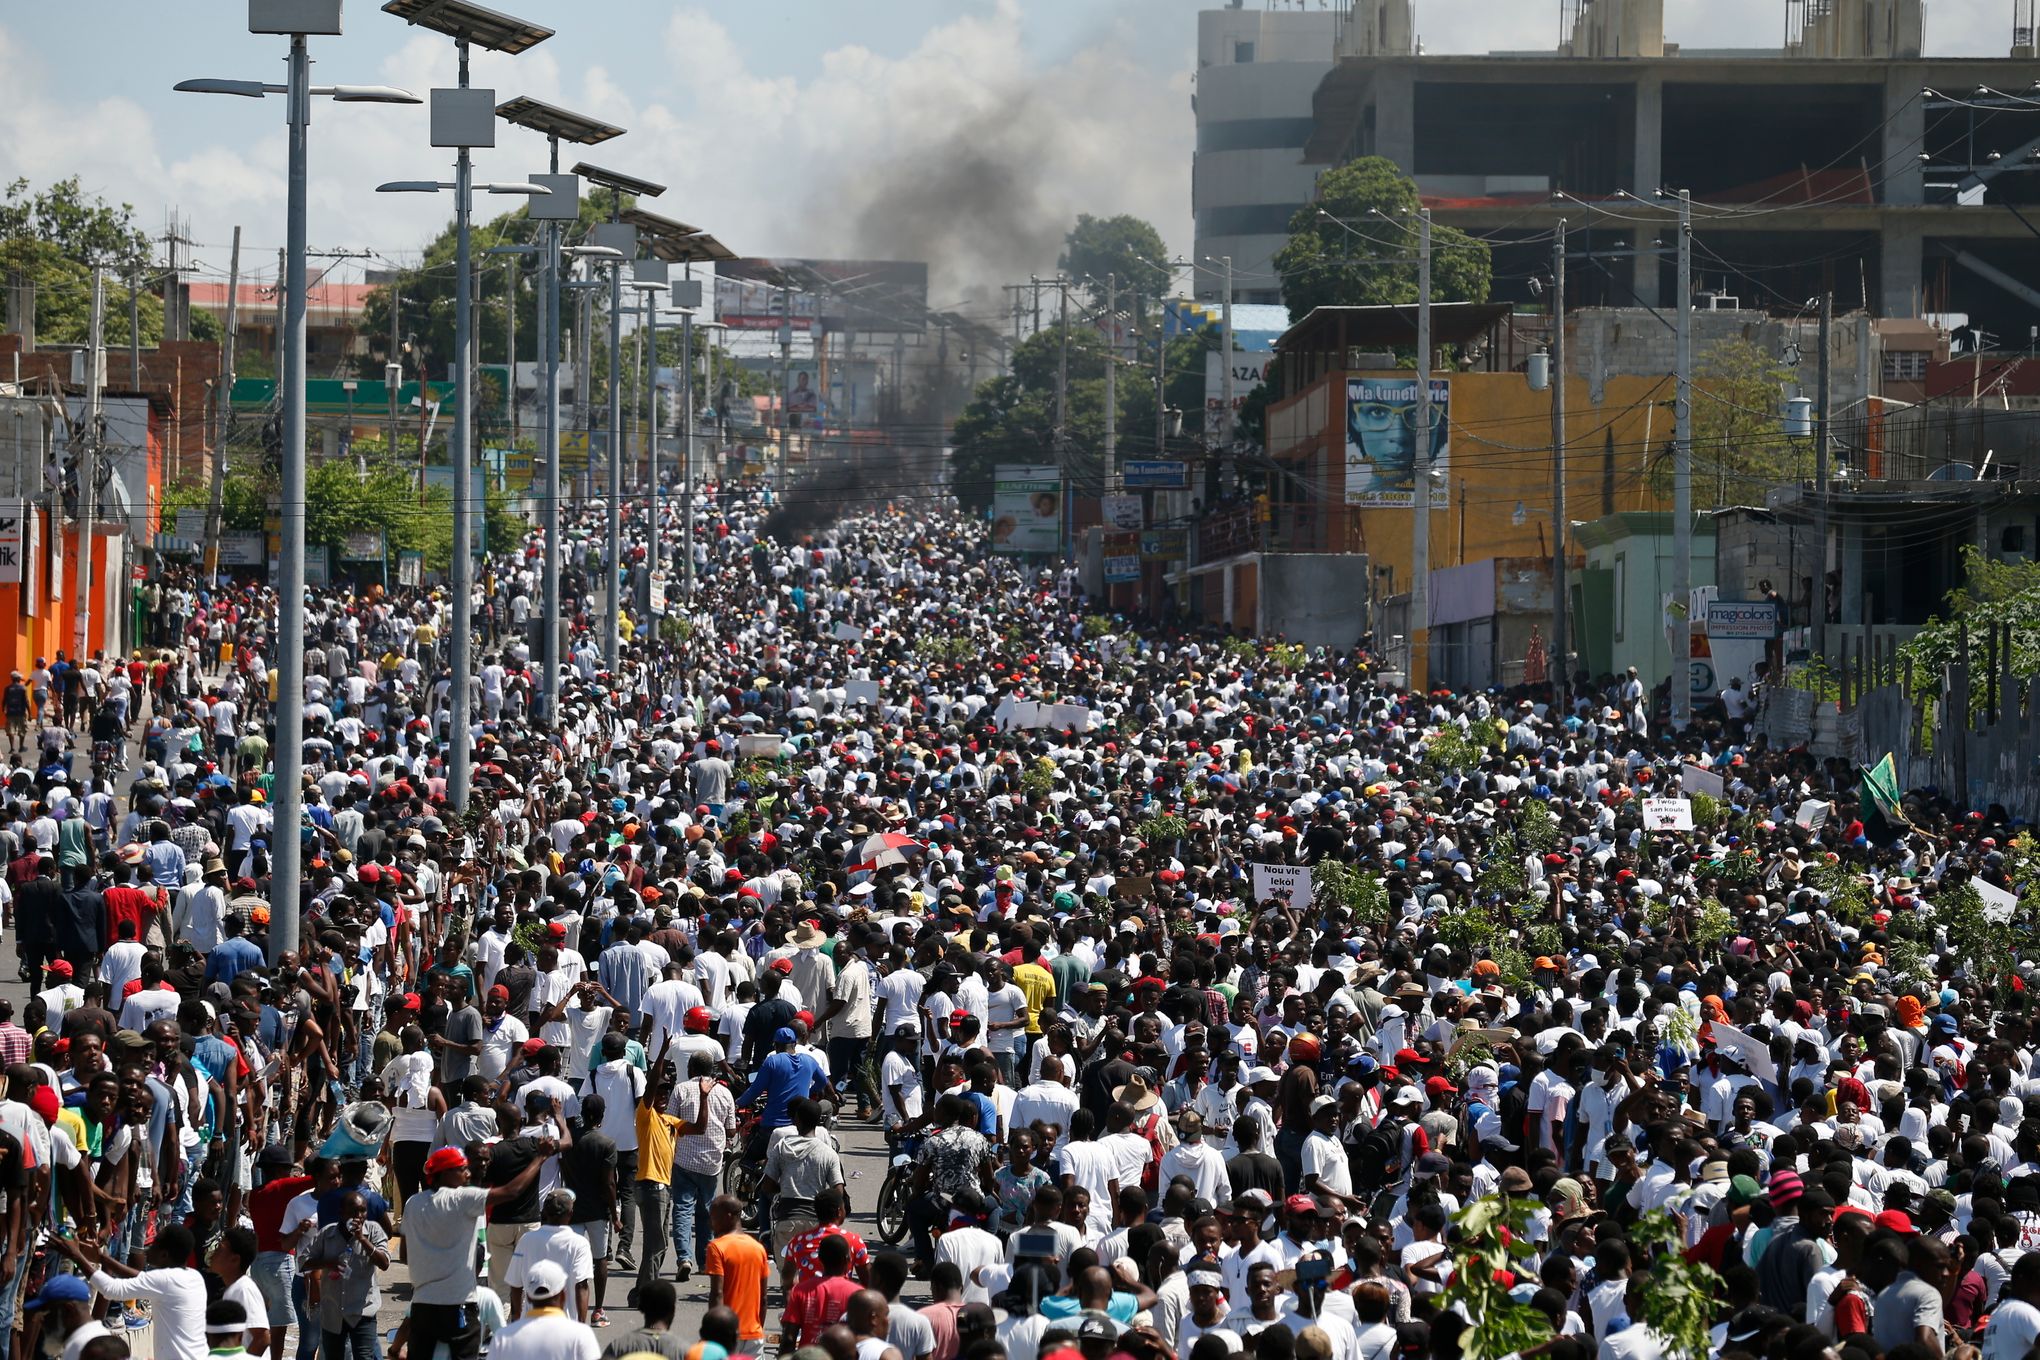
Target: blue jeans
{"points": [[274, 1274], [358, 1342], [307, 1330], [692, 1191]]}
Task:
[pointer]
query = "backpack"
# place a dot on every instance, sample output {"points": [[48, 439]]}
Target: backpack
{"points": [[1151, 1174], [1377, 1156]]}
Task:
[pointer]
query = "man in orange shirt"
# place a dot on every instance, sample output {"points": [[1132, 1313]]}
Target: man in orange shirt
{"points": [[736, 1267]]}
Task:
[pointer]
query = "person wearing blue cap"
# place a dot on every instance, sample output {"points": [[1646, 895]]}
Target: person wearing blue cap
{"points": [[69, 1301], [784, 1077]]}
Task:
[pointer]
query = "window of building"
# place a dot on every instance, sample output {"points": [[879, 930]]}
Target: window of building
{"points": [[1905, 365], [1243, 54], [1621, 592]]}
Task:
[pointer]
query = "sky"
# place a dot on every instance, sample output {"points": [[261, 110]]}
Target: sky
{"points": [[968, 131]]}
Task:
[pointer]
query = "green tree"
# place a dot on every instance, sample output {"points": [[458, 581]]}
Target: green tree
{"points": [[1739, 444], [54, 237], [1011, 418], [1341, 254], [1126, 246], [1994, 594]]}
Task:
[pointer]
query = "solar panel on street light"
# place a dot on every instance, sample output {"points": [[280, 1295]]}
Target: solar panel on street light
{"points": [[700, 248], [617, 180], [471, 23], [652, 224], [552, 121]]}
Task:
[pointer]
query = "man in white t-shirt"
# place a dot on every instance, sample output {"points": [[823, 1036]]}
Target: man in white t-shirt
{"points": [[899, 1078]]}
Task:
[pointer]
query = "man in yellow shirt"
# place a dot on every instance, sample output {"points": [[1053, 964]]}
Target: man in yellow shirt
{"points": [[657, 1132], [1036, 983]]}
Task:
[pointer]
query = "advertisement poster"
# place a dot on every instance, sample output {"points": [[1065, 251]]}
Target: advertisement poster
{"points": [[1120, 512], [1027, 508], [1381, 440], [1122, 558]]}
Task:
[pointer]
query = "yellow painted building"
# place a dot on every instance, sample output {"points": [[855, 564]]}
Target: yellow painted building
{"points": [[1341, 428]]}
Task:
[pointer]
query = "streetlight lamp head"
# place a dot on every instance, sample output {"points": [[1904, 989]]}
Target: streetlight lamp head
{"points": [[371, 94], [411, 186], [527, 189], [593, 252], [250, 89]]}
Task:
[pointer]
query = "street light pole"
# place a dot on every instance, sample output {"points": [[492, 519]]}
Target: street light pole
{"points": [[460, 637], [1557, 667], [288, 759], [612, 594], [687, 454], [549, 337], [287, 785]]}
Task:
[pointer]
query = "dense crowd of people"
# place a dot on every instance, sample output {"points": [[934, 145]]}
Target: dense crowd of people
{"points": [[1202, 987]]}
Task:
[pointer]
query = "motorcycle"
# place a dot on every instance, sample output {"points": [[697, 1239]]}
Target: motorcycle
{"points": [[896, 1190]]}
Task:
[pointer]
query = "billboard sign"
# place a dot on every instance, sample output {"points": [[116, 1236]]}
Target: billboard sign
{"points": [[1122, 558], [1248, 372], [1164, 545], [13, 516], [1382, 440], [1154, 474], [1121, 512], [1027, 508], [1742, 620], [843, 295]]}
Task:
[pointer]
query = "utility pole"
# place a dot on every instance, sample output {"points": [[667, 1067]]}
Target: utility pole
{"points": [[1225, 424], [88, 468], [510, 342], [1062, 401], [397, 358], [1161, 388], [1557, 665], [1035, 280], [1682, 482], [1822, 433], [282, 268], [785, 385], [1111, 383], [135, 325], [1419, 677], [217, 498]]}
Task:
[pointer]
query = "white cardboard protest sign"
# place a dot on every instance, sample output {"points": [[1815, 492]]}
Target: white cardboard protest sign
{"points": [[1290, 882], [1754, 1053], [1813, 814], [1700, 779], [1998, 905], [1061, 716], [860, 691], [759, 744], [1667, 814], [849, 632]]}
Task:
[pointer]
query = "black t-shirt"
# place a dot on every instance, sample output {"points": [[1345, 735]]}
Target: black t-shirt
{"points": [[89, 1020], [1254, 1171], [517, 979], [506, 1163], [765, 1017], [586, 1168]]}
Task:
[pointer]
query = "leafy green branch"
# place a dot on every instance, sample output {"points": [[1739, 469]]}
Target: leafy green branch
{"points": [[1491, 1249]]}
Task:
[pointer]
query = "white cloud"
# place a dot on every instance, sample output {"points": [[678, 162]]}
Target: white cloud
{"points": [[969, 149]]}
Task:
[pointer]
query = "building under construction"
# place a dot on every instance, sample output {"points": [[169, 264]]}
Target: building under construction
{"points": [[1843, 158]]}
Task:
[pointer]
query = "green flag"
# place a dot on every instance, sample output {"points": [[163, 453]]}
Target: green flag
{"points": [[1883, 817]]}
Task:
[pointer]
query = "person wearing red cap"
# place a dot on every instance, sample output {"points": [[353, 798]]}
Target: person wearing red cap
{"points": [[440, 1225], [59, 993]]}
